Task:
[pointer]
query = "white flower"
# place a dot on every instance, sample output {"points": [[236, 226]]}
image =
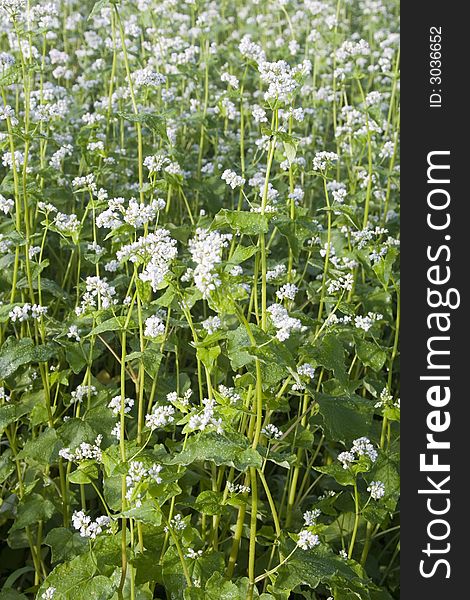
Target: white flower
{"points": [[346, 458], [283, 323], [84, 451], [115, 404], [192, 554], [66, 223], [205, 418], [148, 78], [4, 397], [361, 447], [13, 7], [229, 393], [232, 179], [306, 370], [98, 294], [160, 417], [311, 516], [6, 205], [230, 79], [344, 282], [297, 195], [322, 160], [289, 290], [236, 271], [88, 528], [155, 251], [83, 391], [307, 540], [27, 311], [250, 50], [237, 488], [279, 77], [156, 162], [116, 431], [33, 250], [154, 327], [176, 523], [271, 432], [275, 273], [73, 333], [366, 322], [49, 593], [376, 489], [259, 114], [206, 251], [212, 324]]}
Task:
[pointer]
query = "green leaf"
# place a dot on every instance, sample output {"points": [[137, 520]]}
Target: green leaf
{"points": [[276, 361], [147, 512], [330, 355], [154, 122], [295, 231], [346, 418], [218, 588], [340, 475], [9, 413], [17, 573], [174, 580], [219, 449], [10, 594], [387, 470], [65, 544], [15, 353], [209, 503], [7, 465], [75, 357], [77, 579], [113, 324], [316, 566], [290, 151], [98, 6], [208, 356], [31, 509], [241, 254], [237, 343], [370, 354], [383, 269], [249, 223], [40, 449], [86, 472]]}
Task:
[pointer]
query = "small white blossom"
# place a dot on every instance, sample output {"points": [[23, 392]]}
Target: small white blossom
{"points": [[154, 327], [160, 417], [115, 404], [232, 179], [289, 290], [311, 516], [376, 490], [307, 540], [212, 324], [271, 432]]}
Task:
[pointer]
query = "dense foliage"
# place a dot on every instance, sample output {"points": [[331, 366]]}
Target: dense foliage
{"points": [[199, 299]]}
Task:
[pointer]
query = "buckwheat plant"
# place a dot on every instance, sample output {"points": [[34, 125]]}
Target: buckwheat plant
{"points": [[199, 299]]}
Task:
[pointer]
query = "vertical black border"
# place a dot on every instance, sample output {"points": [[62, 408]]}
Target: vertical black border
{"points": [[426, 129]]}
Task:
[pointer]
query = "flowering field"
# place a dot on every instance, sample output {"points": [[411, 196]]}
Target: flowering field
{"points": [[199, 299]]}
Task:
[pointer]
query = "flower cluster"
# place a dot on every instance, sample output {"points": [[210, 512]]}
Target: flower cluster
{"points": [[88, 528], [84, 451], [206, 251], [361, 447]]}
